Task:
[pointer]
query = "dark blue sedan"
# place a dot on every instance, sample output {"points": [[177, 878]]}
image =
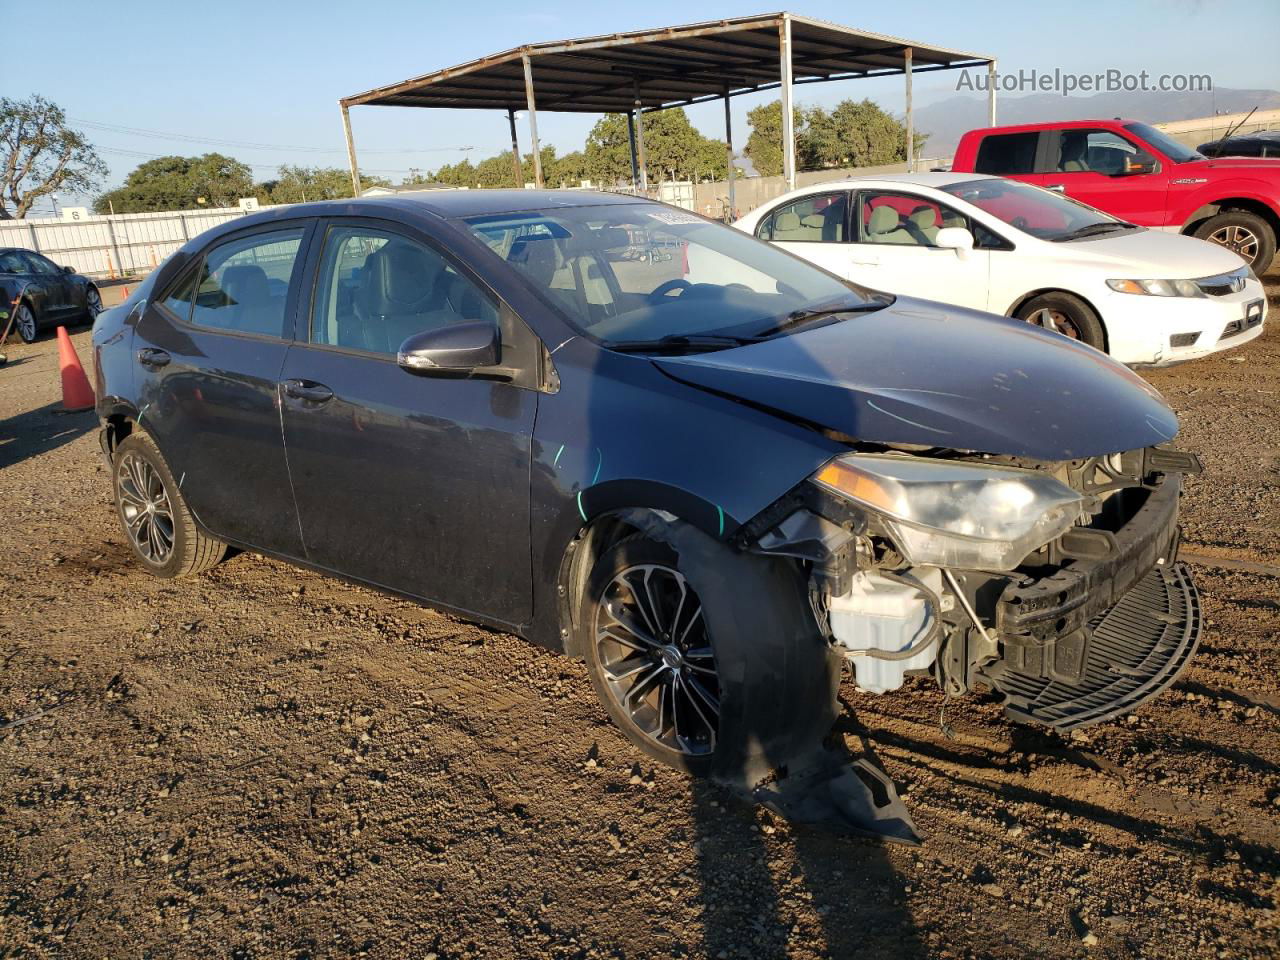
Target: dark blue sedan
{"points": [[709, 468], [40, 294]]}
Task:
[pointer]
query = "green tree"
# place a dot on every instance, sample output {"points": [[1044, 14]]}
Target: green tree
{"points": [[854, 134], [40, 154], [301, 184], [180, 183], [672, 145]]}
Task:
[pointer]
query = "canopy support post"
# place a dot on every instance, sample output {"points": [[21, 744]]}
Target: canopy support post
{"points": [[788, 119], [631, 142], [991, 94], [533, 121], [728, 139], [644, 165], [516, 166], [351, 151], [911, 136]]}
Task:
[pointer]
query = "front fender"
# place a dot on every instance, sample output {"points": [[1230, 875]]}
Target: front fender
{"points": [[1187, 205]]}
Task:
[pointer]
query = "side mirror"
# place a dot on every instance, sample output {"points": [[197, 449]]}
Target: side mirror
{"points": [[955, 238], [457, 348], [68, 270], [1139, 164]]}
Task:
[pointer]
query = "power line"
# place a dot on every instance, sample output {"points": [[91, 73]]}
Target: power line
{"points": [[122, 151], [245, 144]]}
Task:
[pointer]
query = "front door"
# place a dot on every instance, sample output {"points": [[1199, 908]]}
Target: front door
{"points": [[209, 350], [413, 483], [895, 250], [1090, 166], [47, 278]]}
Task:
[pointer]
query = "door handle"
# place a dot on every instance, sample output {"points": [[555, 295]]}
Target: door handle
{"points": [[151, 357], [1057, 187], [307, 390]]}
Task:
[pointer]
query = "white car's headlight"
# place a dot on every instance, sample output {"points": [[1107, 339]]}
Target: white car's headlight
{"points": [[946, 514], [1158, 288]]}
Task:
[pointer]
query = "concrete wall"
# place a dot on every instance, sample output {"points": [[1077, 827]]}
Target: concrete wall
{"points": [[1203, 129]]}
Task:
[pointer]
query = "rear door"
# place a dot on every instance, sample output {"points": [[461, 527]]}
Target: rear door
{"points": [[209, 351], [413, 483], [48, 278], [815, 227], [895, 250], [1089, 165]]}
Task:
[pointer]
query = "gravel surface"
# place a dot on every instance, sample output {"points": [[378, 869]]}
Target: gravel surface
{"points": [[262, 762]]}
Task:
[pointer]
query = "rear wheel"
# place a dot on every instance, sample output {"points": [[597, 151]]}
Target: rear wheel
{"points": [[155, 518], [1244, 233], [1064, 314], [24, 321]]}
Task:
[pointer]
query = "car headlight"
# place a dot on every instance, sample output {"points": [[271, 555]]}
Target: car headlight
{"points": [[947, 514], [1158, 288]]}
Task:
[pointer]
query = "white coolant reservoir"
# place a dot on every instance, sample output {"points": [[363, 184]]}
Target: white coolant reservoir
{"points": [[881, 614]]}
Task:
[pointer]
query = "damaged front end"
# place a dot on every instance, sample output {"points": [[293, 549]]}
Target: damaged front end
{"points": [[1055, 585]]}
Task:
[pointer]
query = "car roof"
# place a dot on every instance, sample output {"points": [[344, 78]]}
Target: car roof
{"points": [[1057, 125], [932, 178]]}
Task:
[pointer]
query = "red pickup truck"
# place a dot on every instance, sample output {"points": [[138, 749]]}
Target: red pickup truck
{"points": [[1135, 172]]}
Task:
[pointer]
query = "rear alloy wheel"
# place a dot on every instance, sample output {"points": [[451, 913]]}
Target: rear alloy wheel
{"points": [[1065, 314], [92, 303], [1244, 233], [155, 518], [24, 321]]}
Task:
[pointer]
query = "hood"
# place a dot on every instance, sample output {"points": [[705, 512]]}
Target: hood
{"points": [[1267, 166], [918, 372], [1151, 254]]}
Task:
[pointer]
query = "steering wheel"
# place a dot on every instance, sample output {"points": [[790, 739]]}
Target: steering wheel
{"points": [[659, 293]]}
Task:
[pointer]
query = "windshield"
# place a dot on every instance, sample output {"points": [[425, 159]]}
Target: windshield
{"points": [[1039, 212], [1164, 143], [641, 272]]}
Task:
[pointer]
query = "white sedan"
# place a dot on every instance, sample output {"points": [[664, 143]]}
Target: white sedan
{"points": [[1143, 296]]}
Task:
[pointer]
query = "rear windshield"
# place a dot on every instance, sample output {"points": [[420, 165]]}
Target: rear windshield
{"points": [[644, 271]]}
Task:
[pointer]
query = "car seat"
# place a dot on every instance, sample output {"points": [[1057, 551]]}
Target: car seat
{"points": [[397, 298], [1072, 153], [884, 227], [249, 304], [924, 221]]}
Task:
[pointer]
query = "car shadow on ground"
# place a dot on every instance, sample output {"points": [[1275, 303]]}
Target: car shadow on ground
{"points": [[761, 880], [38, 431]]}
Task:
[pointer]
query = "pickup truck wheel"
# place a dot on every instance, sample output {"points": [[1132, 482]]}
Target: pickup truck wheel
{"points": [[154, 516], [1244, 233], [706, 658], [1064, 314]]}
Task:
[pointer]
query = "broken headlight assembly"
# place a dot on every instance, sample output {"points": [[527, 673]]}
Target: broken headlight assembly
{"points": [[949, 514]]}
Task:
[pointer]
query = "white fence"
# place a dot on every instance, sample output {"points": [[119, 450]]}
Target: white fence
{"points": [[129, 244]]}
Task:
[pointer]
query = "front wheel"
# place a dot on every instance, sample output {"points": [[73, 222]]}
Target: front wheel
{"points": [[92, 304], [706, 658], [1064, 314], [154, 516], [1247, 234]]}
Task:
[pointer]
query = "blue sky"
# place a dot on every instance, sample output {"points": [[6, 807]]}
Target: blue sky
{"points": [[272, 72]]}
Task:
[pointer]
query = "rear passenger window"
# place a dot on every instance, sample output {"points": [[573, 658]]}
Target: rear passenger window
{"points": [[1005, 153], [243, 284], [376, 289], [815, 219]]}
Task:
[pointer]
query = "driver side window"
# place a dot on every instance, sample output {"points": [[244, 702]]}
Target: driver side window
{"points": [[1093, 151], [377, 288]]}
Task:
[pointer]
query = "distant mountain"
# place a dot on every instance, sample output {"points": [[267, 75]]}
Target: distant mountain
{"points": [[946, 120]]}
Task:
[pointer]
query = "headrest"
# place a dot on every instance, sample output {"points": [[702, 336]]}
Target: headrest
{"points": [[924, 217], [611, 238], [815, 220], [787, 221], [883, 220], [245, 283]]}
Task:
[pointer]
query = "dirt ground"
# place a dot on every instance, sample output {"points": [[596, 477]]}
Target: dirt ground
{"points": [[262, 762]]}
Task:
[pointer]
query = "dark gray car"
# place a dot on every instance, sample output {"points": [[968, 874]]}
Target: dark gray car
{"points": [[41, 294], [715, 475]]}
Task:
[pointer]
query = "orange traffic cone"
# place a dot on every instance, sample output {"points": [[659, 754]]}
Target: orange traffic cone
{"points": [[76, 393]]}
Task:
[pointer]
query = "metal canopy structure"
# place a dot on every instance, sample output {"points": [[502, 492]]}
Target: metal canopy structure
{"points": [[647, 70]]}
